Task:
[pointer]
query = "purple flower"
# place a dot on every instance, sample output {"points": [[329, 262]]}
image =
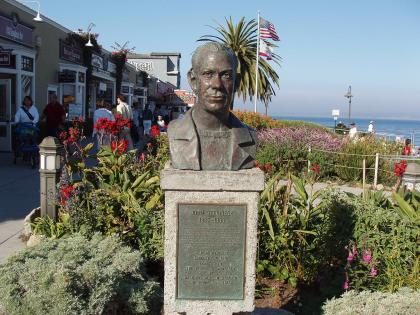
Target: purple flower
{"points": [[301, 137], [373, 272], [346, 285], [367, 256]]}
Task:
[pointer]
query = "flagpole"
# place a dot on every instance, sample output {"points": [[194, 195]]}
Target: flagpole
{"points": [[257, 63]]}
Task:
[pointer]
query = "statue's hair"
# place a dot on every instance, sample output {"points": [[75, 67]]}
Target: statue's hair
{"points": [[212, 47]]}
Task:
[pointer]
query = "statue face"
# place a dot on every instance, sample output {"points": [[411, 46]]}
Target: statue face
{"points": [[215, 82]]}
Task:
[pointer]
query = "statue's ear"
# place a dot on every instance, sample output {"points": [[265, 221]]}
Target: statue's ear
{"points": [[192, 80], [238, 79]]}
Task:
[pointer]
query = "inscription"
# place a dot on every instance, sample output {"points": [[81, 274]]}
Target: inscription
{"points": [[211, 251]]}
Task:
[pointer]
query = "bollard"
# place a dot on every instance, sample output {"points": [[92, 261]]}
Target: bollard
{"points": [[50, 150]]}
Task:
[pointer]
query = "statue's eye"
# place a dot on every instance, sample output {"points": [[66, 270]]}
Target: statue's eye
{"points": [[207, 74], [227, 75]]}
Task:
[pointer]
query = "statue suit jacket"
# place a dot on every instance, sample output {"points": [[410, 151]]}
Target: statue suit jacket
{"points": [[185, 147]]}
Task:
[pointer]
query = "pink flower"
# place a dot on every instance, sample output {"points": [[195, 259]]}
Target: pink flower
{"points": [[142, 157], [350, 257], [346, 285], [373, 272], [367, 256]]}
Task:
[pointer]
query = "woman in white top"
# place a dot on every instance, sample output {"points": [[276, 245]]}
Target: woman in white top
{"points": [[27, 113]]}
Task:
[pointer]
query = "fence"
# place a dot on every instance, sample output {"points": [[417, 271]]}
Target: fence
{"points": [[382, 163]]}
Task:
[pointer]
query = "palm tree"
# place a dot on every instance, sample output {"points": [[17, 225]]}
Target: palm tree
{"points": [[242, 39]]}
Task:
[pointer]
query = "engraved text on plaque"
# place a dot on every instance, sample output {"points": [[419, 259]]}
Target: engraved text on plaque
{"points": [[211, 251]]}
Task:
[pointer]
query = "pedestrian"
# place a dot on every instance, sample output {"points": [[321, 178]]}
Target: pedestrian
{"points": [[147, 119], [126, 112], [27, 113], [371, 128], [157, 112], [407, 147], [161, 123], [103, 110], [353, 131], [56, 116]]}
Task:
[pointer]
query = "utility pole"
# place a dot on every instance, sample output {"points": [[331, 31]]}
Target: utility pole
{"points": [[349, 96]]}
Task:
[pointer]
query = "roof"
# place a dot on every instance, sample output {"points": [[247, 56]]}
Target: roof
{"points": [[153, 55]]}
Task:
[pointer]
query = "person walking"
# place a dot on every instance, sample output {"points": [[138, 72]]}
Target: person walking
{"points": [[126, 113], [147, 119], [27, 113], [56, 116]]}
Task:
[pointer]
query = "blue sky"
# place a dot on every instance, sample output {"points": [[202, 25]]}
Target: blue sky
{"points": [[326, 46]]}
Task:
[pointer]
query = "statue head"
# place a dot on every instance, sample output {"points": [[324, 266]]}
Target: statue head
{"points": [[213, 77]]}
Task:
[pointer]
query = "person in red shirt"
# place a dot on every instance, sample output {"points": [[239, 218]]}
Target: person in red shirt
{"points": [[55, 114], [407, 147]]}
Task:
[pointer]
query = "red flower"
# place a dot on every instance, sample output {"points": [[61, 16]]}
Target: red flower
{"points": [[155, 132], [316, 168], [119, 147], [399, 168], [62, 136], [65, 192], [74, 135], [268, 167], [149, 146], [142, 157]]}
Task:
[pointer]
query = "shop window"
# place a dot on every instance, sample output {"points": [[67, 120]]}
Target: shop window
{"points": [[27, 86], [69, 95], [27, 64]]}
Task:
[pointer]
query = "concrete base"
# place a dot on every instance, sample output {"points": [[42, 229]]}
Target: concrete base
{"points": [[209, 187]]}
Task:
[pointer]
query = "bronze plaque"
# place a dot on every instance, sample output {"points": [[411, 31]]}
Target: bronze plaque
{"points": [[211, 251]]}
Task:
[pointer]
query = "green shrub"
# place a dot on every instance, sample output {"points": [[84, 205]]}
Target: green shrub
{"points": [[302, 234], [385, 252], [402, 302], [75, 275], [353, 153]]}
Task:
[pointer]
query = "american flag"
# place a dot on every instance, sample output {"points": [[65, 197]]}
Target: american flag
{"points": [[267, 30]]}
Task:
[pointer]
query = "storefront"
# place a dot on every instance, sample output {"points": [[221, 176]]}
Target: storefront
{"points": [[103, 86], [17, 72], [72, 82]]}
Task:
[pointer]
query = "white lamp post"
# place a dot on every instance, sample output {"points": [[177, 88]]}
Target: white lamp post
{"points": [[89, 43], [50, 151], [38, 17]]}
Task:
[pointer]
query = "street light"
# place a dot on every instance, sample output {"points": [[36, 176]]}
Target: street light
{"points": [[349, 96], [38, 17], [89, 43]]}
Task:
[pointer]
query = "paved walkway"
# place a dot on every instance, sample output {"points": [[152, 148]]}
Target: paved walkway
{"points": [[19, 194]]}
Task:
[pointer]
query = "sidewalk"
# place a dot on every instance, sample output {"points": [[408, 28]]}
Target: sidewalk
{"points": [[19, 194]]}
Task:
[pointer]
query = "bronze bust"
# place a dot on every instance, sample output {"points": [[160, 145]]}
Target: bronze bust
{"points": [[210, 137]]}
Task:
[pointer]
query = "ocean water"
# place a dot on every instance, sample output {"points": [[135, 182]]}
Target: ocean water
{"points": [[390, 128]]}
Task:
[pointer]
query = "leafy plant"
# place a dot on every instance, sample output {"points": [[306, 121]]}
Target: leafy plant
{"points": [[76, 275], [385, 254], [299, 233], [407, 206]]}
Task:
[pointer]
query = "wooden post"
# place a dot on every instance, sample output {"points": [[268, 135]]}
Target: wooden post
{"points": [[375, 180], [364, 176], [309, 162]]}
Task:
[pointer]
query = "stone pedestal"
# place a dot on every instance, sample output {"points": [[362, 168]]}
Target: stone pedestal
{"points": [[210, 240]]}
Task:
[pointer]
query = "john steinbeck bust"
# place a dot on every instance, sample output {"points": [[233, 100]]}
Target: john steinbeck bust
{"points": [[210, 137]]}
